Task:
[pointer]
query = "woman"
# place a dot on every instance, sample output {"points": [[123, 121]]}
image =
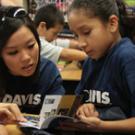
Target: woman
{"points": [[25, 78]]}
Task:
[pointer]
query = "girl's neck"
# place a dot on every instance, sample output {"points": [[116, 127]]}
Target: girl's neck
{"points": [[116, 39]]}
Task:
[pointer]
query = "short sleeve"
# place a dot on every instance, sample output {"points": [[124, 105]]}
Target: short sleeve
{"points": [[50, 51]]}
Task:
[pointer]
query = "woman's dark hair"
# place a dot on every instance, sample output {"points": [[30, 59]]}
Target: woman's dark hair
{"points": [[11, 20], [104, 9], [49, 14]]}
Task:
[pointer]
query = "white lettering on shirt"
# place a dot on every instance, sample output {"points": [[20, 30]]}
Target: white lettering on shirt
{"points": [[31, 99], [96, 96]]}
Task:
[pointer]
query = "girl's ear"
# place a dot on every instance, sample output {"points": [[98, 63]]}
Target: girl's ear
{"points": [[113, 23]]}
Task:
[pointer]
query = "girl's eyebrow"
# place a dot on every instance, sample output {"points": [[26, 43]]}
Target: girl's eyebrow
{"points": [[82, 27]]}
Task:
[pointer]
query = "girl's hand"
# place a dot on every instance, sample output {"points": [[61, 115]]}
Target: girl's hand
{"points": [[84, 124], [91, 122], [87, 110], [10, 113]]}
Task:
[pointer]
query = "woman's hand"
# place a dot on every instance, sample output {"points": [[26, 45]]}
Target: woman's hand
{"points": [[10, 113], [87, 110]]}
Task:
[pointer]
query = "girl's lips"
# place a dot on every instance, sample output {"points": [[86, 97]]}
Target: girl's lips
{"points": [[89, 52]]}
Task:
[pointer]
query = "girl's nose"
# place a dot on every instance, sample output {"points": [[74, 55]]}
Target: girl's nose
{"points": [[82, 42], [82, 45]]}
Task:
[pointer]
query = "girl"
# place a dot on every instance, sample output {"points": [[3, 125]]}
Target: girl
{"points": [[25, 79], [109, 73]]}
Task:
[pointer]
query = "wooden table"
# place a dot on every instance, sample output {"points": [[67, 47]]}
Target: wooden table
{"points": [[71, 72], [13, 130], [71, 75]]}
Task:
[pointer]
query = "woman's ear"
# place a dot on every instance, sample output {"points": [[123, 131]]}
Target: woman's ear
{"points": [[113, 23]]}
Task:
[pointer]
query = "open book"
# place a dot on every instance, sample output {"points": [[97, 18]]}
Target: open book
{"points": [[55, 110]]}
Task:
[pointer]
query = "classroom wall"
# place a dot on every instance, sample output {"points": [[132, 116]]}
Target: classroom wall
{"points": [[12, 2]]}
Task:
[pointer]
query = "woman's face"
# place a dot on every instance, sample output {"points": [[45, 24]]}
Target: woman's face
{"points": [[21, 53], [94, 36]]}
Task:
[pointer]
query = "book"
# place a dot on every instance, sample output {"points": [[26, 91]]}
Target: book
{"points": [[55, 110]]}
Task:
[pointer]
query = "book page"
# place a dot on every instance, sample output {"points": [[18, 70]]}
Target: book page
{"points": [[55, 108], [58, 105], [49, 107]]}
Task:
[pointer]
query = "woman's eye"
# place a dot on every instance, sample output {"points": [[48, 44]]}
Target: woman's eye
{"points": [[31, 46], [12, 53]]}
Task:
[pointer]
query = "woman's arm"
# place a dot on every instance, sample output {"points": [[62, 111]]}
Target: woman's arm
{"points": [[10, 113]]}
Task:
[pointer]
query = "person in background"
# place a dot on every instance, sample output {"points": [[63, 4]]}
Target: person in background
{"points": [[66, 43], [49, 22], [109, 72], [25, 77]]}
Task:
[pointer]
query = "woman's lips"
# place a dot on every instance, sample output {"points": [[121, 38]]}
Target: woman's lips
{"points": [[28, 68]]}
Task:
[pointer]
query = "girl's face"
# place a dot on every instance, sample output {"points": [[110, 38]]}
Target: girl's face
{"points": [[21, 53], [94, 36]]}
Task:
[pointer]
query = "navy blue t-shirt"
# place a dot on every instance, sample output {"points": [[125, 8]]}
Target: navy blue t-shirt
{"points": [[109, 82], [29, 95]]}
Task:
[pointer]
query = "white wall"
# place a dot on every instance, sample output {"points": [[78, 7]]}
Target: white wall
{"points": [[12, 2]]}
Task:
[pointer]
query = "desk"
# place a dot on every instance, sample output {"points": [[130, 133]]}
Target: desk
{"points": [[13, 130], [71, 75], [71, 72]]}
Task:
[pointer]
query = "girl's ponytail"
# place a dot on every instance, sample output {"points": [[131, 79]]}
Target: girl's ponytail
{"points": [[127, 27]]}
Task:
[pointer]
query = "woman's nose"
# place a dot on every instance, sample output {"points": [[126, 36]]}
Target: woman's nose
{"points": [[25, 56]]}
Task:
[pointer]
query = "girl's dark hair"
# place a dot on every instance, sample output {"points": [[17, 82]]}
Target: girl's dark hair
{"points": [[49, 14], [127, 21], [11, 20], [104, 9]]}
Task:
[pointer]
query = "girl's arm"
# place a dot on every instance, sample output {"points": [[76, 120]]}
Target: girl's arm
{"points": [[90, 117], [95, 124]]}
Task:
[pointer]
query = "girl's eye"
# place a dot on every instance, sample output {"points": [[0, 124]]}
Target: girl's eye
{"points": [[76, 36], [12, 53], [86, 32]]}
